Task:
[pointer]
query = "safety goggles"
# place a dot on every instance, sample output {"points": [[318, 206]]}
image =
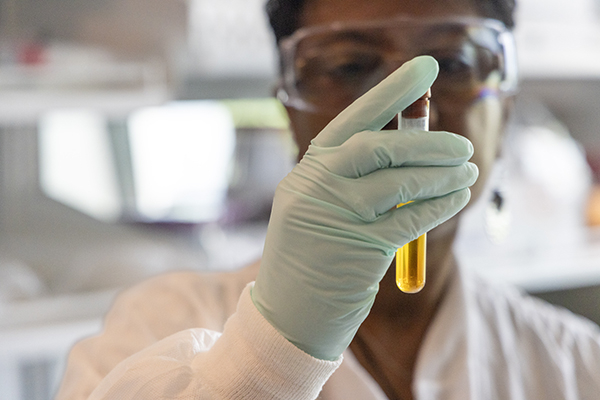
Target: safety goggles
{"points": [[325, 68]]}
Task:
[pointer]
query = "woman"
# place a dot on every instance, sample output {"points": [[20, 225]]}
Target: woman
{"points": [[324, 285]]}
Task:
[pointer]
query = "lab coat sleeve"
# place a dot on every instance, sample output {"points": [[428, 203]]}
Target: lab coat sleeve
{"points": [[249, 360]]}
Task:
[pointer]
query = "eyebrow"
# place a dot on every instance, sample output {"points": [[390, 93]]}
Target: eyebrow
{"points": [[351, 36]]}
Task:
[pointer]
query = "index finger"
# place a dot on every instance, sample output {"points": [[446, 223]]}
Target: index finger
{"points": [[378, 106]]}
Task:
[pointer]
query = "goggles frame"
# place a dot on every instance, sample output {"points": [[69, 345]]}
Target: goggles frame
{"points": [[288, 94]]}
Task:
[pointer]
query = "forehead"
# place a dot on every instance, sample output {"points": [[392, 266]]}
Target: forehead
{"points": [[319, 12]]}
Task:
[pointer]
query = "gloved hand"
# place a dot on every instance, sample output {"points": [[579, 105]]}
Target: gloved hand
{"points": [[334, 230]]}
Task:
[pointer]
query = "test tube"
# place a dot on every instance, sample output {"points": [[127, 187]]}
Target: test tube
{"points": [[410, 258]]}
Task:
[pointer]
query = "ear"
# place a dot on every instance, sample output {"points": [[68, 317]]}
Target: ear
{"points": [[508, 105], [295, 118]]}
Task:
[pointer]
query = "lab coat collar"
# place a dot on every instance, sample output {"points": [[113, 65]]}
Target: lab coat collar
{"points": [[442, 366]]}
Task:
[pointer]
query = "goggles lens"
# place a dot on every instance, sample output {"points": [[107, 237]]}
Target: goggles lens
{"points": [[327, 68]]}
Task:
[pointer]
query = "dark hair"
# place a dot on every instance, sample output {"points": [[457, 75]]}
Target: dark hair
{"points": [[284, 15]]}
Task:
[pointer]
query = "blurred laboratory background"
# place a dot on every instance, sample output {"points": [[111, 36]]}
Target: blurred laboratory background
{"points": [[139, 137]]}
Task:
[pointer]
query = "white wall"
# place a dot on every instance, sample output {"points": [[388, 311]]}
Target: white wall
{"points": [[558, 38]]}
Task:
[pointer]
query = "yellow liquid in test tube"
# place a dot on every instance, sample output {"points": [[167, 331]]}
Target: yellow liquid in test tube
{"points": [[411, 258], [410, 265]]}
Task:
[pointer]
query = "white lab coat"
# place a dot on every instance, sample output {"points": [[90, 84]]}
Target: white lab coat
{"points": [[160, 341]]}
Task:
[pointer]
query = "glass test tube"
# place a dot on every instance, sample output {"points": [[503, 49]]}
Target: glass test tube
{"points": [[410, 258]]}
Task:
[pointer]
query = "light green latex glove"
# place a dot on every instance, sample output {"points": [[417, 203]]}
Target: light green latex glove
{"points": [[334, 230]]}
